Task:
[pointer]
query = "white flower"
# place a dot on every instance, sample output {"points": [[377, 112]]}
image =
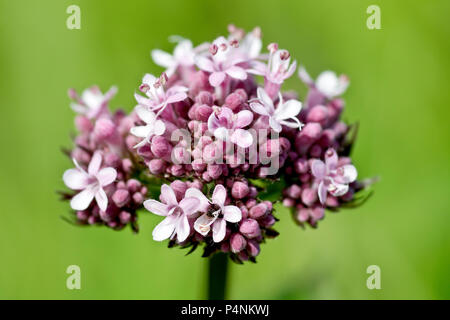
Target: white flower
{"points": [[288, 110], [213, 210], [327, 83], [91, 182], [183, 55], [278, 68], [153, 126]]}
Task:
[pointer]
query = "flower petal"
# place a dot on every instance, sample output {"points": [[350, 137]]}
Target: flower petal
{"points": [[242, 138], [162, 58], [318, 169], [156, 207], [204, 64], [265, 99], [216, 78], [82, 200], [159, 127], [183, 228], [236, 73], [232, 214], [289, 109], [243, 119], [222, 133], [328, 84], [331, 159], [219, 230], [203, 224], [219, 195], [322, 192], [178, 96], [196, 193], [165, 228], [75, 179], [95, 163], [145, 115], [259, 108], [304, 76], [141, 131], [168, 195], [189, 205], [275, 125], [107, 176], [102, 199], [346, 174], [337, 189]]}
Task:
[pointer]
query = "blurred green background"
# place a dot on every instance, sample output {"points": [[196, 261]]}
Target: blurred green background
{"points": [[399, 93]]}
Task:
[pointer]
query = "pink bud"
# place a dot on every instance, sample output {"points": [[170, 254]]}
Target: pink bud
{"points": [[124, 217], [237, 242], [243, 256], [288, 202], [305, 138], [138, 198], [133, 185], [317, 114], [239, 190], [205, 97], [177, 170], [104, 129], [160, 147], [251, 203], [301, 165], [179, 187], [250, 228], [83, 124], [294, 191], [82, 215], [316, 151], [121, 197], [127, 165], [258, 211], [235, 101], [156, 166], [214, 170], [309, 196], [253, 248], [202, 112], [112, 160], [268, 221]]}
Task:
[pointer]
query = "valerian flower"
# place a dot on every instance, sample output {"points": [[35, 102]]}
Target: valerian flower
{"points": [[216, 213], [91, 183], [92, 102], [176, 213], [331, 177], [278, 68], [223, 62], [227, 126], [278, 117], [153, 127], [158, 99], [183, 55], [327, 83]]}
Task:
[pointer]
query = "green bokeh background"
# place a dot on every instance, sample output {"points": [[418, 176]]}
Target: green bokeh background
{"points": [[399, 93]]}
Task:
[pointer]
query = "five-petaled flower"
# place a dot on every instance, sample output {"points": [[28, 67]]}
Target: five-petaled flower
{"points": [[92, 102], [91, 183], [288, 110], [327, 83], [278, 68], [176, 213], [227, 126], [158, 99], [332, 177], [224, 62], [153, 127], [216, 213]]}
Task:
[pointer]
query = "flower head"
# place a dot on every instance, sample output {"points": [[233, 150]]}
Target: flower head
{"points": [[176, 213], [278, 68], [216, 213], [92, 102], [278, 117], [152, 126], [331, 177], [227, 126], [91, 183]]}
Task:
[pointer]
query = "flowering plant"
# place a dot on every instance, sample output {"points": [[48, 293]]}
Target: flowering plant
{"points": [[212, 145]]}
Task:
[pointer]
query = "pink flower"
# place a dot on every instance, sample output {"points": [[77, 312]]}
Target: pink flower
{"points": [[92, 102], [225, 125], [158, 99], [183, 55], [327, 83], [152, 126], [224, 62], [176, 213], [332, 177], [213, 210], [91, 182], [279, 66], [288, 110]]}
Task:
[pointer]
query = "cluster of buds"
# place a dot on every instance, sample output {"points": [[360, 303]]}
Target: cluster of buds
{"points": [[206, 141]]}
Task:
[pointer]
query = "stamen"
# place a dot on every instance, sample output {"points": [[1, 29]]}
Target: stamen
{"points": [[272, 47], [213, 49], [144, 88]]}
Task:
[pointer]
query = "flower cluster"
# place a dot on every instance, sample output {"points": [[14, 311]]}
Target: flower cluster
{"points": [[212, 144]]}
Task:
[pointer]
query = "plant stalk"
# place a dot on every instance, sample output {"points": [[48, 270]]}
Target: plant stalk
{"points": [[217, 276]]}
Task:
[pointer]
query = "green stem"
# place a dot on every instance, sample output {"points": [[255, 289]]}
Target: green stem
{"points": [[217, 276]]}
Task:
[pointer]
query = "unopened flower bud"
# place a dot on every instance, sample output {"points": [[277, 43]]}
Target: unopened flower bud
{"points": [[124, 217], [239, 190], [309, 196], [83, 124], [253, 248], [179, 187], [205, 97], [121, 197], [104, 129], [237, 242], [156, 166], [214, 170], [258, 211], [160, 147], [250, 228]]}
